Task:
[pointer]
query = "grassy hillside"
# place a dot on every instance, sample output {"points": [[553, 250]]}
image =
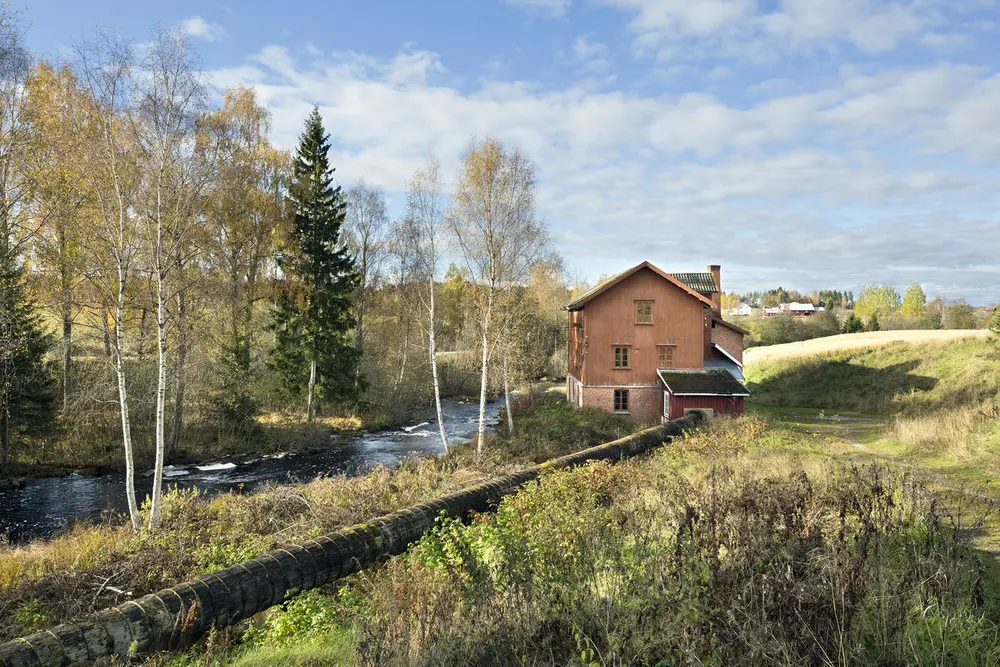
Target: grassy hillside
{"points": [[897, 378], [859, 340], [936, 408]]}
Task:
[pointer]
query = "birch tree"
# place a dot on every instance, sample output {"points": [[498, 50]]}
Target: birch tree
{"points": [[171, 97], [14, 66], [105, 65], [425, 221], [58, 196], [493, 220], [244, 214], [365, 232]]}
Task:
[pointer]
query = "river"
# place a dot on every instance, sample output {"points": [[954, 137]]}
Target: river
{"points": [[46, 506]]}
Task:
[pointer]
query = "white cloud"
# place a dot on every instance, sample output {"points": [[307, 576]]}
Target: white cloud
{"points": [[585, 49], [199, 28], [839, 169], [592, 58], [675, 29], [551, 8]]}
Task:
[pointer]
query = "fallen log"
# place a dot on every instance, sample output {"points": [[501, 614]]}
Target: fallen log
{"points": [[174, 617]]}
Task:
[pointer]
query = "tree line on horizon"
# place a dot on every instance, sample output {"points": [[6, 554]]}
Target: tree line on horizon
{"points": [[875, 308]]}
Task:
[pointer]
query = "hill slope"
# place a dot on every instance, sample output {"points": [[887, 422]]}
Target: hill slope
{"points": [[859, 340], [891, 378]]}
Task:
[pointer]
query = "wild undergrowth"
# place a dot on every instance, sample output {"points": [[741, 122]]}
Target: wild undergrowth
{"points": [[94, 566], [733, 548]]}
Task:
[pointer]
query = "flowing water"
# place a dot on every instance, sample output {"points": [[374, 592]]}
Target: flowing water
{"points": [[44, 507]]}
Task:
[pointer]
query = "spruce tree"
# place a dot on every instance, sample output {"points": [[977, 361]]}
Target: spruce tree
{"points": [[313, 315], [27, 389]]}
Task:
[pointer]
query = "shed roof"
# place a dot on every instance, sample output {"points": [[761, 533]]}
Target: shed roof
{"points": [[703, 283], [729, 325], [702, 382], [579, 302], [727, 355]]}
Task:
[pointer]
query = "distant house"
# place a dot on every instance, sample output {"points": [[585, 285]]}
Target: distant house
{"points": [[742, 310], [794, 308], [653, 345]]}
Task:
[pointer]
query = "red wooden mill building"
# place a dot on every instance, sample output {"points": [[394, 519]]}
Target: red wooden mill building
{"points": [[652, 345]]}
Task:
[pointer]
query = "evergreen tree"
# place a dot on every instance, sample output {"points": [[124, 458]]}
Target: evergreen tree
{"points": [[853, 324], [27, 389], [313, 314]]}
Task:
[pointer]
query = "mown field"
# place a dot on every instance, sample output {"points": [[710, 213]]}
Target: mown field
{"points": [[790, 536], [852, 341]]}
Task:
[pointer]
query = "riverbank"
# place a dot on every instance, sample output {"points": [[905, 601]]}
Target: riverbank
{"points": [[90, 567]]}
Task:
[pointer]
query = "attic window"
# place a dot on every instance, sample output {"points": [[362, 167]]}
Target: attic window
{"points": [[643, 312]]}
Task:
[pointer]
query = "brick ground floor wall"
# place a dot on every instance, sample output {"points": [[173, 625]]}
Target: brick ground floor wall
{"points": [[644, 403]]}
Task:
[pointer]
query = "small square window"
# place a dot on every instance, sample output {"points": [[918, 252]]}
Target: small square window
{"points": [[643, 312], [666, 356], [621, 357], [621, 400]]}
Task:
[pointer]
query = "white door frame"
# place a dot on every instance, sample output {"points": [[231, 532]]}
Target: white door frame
{"points": [[666, 405]]}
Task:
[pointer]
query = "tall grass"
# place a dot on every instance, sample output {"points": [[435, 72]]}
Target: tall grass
{"points": [[714, 553]]}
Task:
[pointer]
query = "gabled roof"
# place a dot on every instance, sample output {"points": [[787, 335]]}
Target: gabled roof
{"points": [[795, 305], [703, 283], [702, 382], [579, 302]]}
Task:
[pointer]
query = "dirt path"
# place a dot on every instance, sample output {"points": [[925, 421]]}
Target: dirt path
{"points": [[853, 341], [862, 435]]}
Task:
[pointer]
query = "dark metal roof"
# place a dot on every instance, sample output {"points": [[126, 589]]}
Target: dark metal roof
{"points": [[704, 382], [704, 283]]}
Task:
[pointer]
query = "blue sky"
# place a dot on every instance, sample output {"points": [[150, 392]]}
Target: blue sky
{"points": [[807, 143]]}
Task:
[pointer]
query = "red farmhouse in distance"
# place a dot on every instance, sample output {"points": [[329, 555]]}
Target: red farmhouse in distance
{"points": [[653, 345]]}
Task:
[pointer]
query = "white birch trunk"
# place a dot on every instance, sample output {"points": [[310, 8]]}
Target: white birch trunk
{"points": [[161, 397], [481, 442], [133, 508], [161, 360], [434, 369], [406, 349], [310, 408], [506, 396]]}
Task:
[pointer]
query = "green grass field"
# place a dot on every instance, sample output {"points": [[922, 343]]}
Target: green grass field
{"points": [[932, 407]]}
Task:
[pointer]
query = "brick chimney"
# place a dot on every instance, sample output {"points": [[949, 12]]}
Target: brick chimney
{"points": [[716, 271]]}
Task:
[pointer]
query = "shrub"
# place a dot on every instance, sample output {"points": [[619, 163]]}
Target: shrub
{"points": [[639, 564], [853, 324]]}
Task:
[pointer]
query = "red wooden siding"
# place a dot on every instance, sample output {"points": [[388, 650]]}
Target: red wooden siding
{"points": [[609, 321], [721, 405]]}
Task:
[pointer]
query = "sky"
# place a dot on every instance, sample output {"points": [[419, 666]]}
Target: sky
{"points": [[803, 143]]}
